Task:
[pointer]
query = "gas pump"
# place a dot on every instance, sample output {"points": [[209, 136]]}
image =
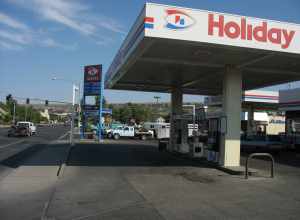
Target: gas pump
{"points": [[214, 138], [181, 134]]}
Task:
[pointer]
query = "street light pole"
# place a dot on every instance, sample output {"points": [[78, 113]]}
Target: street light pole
{"points": [[26, 112], [14, 115], [79, 104], [158, 108], [157, 98], [72, 120], [74, 88]]}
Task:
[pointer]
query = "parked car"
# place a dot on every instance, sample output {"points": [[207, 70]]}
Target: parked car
{"points": [[30, 125], [129, 132], [265, 143], [12, 131], [22, 130]]}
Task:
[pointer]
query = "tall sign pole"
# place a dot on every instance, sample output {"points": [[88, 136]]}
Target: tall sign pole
{"points": [[100, 109], [93, 86], [73, 115], [83, 116]]}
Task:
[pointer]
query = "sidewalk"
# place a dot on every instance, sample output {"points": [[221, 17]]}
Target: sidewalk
{"points": [[26, 188]]}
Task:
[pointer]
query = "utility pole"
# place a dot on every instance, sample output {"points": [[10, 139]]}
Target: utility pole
{"points": [[73, 115], [157, 98], [158, 109], [14, 114], [26, 106], [73, 106]]}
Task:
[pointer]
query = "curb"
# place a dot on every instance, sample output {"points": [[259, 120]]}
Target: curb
{"points": [[63, 165]]}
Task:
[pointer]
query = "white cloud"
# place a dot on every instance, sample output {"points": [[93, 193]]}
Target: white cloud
{"points": [[55, 15], [103, 42], [73, 14], [112, 26], [7, 20], [49, 42], [16, 37], [9, 46]]}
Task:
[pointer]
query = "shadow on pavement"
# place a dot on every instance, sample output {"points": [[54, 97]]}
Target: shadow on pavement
{"points": [[37, 155], [288, 158], [125, 155]]}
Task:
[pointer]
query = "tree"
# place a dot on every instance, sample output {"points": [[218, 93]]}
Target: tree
{"points": [[126, 112], [97, 101]]}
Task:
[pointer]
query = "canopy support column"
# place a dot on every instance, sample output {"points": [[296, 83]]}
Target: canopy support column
{"points": [[250, 121], [231, 121], [176, 111]]}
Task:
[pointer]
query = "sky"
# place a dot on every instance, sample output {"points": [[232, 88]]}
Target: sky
{"points": [[42, 39]]}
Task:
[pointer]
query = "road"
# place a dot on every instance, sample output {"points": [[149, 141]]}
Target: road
{"points": [[9, 145], [43, 133], [13, 150]]}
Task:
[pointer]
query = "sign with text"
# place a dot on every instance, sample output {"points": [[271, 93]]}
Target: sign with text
{"points": [[202, 26], [92, 79], [92, 87], [93, 110], [91, 107], [92, 73]]}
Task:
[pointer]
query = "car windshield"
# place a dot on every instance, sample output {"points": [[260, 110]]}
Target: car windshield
{"points": [[23, 125]]}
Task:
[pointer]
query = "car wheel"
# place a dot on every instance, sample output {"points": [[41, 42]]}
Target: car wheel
{"points": [[143, 137], [109, 135], [116, 136]]}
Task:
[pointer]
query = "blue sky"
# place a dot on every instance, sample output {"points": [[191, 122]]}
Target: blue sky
{"points": [[40, 39]]}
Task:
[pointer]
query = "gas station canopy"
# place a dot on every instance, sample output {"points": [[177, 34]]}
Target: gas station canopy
{"points": [[171, 47]]}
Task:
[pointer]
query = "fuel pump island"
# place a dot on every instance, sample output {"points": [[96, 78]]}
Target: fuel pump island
{"points": [[189, 51]]}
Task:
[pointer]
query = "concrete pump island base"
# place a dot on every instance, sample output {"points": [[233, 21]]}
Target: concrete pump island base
{"points": [[188, 51]]}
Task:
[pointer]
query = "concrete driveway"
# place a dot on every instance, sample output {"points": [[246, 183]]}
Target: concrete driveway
{"points": [[132, 180]]}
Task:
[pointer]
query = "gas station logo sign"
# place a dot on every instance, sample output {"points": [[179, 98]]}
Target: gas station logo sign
{"points": [[250, 32], [177, 19], [92, 73], [92, 79]]}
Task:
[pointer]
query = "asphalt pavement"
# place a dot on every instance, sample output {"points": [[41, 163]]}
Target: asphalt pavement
{"points": [[10, 145], [14, 150]]}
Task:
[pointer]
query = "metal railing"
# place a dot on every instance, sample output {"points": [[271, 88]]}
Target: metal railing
{"points": [[259, 155]]}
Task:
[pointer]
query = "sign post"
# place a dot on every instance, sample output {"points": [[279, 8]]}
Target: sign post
{"points": [[93, 86], [100, 109]]}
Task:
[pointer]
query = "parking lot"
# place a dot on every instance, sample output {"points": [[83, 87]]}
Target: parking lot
{"points": [[131, 179]]}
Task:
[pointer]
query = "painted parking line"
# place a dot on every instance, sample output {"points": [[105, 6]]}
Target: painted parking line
{"points": [[7, 145]]}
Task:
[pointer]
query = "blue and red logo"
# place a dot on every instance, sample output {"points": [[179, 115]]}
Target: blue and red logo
{"points": [[149, 22], [177, 19]]}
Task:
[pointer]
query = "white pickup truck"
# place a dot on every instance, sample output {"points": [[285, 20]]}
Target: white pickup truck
{"points": [[129, 132], [30, 125]]}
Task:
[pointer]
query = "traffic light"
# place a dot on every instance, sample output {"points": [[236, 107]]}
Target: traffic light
{"points": [[8, 98], [27, 101], [46, 102]]}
